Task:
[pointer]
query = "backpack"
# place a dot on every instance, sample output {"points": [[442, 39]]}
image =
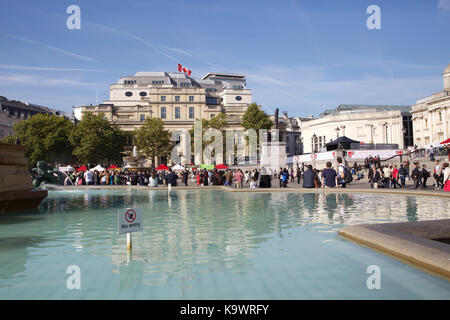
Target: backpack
{"points": [[348, 177]]}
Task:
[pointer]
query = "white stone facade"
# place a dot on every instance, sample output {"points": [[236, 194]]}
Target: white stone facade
{"points": [[431, 116], [175, 98], [368, 124]]}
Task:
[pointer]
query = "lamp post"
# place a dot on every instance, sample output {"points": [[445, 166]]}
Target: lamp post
{"points": [[371, 133], [314, 150], [337, 132]]}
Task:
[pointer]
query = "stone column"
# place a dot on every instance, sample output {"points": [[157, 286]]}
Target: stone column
{"points": [[445, 122]]}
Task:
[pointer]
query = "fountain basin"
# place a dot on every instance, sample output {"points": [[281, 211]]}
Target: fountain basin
{"points": [[16, 189]]}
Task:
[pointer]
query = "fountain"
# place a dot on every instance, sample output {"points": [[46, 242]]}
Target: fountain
{"points": [[135, 161], [16, 188]]}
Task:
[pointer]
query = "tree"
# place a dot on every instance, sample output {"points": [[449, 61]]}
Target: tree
{"points": [[95, 140], [46, 136], [152, 140], [256, 118], [218, 122]]}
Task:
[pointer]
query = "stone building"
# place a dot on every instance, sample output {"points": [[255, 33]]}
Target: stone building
{"points": [[382, 124], [175, 98], [431, 116], [12, 111]]}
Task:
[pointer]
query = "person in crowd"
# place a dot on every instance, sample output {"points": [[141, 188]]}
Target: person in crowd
{"points": [[284, 174], [387, 175], [425, 175], [185, 177], [395, 177], [374, 176], [308, 177], [329, 176], [438, 175], [417, 175], [298, 175], [446, 179], [238, 176], [205, 177], [153, 180], [171, 178], [247, 177], [253, 184], [88, 175], [341, 173], [403, 174]]}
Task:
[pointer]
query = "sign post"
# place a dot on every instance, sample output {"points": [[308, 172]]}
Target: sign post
{"points": [[129, 220]]}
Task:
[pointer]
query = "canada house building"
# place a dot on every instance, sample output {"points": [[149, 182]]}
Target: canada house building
{"points": [[175, 98]]}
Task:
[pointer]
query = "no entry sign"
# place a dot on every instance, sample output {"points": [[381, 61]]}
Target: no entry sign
{"points": [[129, 220]]}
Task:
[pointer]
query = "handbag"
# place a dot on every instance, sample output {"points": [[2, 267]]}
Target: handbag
{"points": [[447, 185]]}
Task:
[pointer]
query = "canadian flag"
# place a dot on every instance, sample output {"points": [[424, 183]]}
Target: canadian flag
{"points": [[183, 69]]}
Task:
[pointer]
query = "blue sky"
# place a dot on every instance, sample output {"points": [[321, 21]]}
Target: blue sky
{"points": [[300, 56]]}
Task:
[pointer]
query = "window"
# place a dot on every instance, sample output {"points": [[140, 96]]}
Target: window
{"points": [[191, 112], [191, 98], [142, 117], [157, 82], [143, 94], [177, 112], [238, 98], [128, 93], [440, 116], [235, 87], [163, 98], [163, 112], [177, 98], [129, 81], [211, 115]]}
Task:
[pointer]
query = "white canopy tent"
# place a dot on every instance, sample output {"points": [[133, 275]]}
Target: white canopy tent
{"points": [[66, 169], [177, 167], [99, 168]]}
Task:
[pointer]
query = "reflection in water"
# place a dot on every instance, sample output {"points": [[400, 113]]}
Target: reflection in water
{"points": [[188, 233]]}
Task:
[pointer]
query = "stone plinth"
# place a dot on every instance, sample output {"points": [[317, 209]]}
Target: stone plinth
{"points": [[273, 155], [16, 189]]}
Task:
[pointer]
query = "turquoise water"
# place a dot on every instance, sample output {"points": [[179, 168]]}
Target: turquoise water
{"points": [[209, 244]]}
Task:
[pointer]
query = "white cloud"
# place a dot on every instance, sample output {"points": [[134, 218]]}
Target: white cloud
{"points": [[68, 53], [32, 68], [38, 81]]}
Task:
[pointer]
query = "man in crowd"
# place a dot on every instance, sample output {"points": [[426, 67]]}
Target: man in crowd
{"points": [[438, 175], [341, 173], [308, 177], [416, 175], [329, 177]]}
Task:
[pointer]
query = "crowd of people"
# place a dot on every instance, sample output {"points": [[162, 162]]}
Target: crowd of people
{"points": [[378, 175]]}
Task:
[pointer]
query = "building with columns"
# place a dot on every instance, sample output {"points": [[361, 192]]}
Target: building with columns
{"points": [[366, 123], [431, 116], [175, 98]]}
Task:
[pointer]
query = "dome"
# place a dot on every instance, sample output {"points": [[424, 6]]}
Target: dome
{"points": [[447, 70]]}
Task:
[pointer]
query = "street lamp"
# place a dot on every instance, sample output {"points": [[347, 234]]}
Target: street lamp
{"points": [[314, 150]]}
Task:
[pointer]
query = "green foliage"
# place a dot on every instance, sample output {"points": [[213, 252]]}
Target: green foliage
{"points": [[95, 140], [152, 140], [218, 122], [256, 118], [46, 136]]}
